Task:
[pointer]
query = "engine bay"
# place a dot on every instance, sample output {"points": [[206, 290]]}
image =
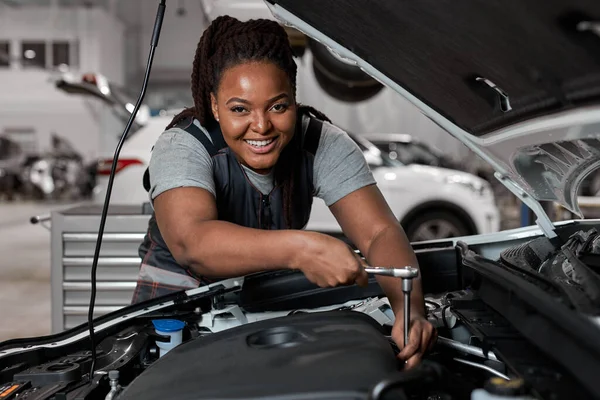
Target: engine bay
{"points": [[341, 353], [274, 336]]}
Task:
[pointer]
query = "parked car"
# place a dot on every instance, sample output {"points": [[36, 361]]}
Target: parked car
{"points": [[97, 86], [406, 149], [430, 202], [517, 311]]}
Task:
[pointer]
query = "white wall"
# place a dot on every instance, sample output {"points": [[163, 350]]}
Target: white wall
{"points": [[28, 98], [178, 39], [109, 37], [100, 35]]}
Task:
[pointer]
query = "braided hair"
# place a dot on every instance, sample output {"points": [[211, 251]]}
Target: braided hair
{"points": [[228, 42]]}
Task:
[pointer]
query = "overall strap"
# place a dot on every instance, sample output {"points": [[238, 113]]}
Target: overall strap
{"points": [[212, 147], [214, 130], [188, 125], [313, 135]]}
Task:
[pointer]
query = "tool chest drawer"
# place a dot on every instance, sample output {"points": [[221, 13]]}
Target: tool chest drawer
{"points": [[73, 242]]}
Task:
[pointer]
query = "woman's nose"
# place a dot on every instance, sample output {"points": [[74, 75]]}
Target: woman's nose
{"points": [[261, 124]]}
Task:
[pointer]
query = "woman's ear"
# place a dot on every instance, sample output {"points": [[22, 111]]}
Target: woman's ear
{"points": [[214, 107]]}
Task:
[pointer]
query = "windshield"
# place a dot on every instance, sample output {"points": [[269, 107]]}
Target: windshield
{"points": [[409, 152], [374, 156], [123, 104], [122, 97]]}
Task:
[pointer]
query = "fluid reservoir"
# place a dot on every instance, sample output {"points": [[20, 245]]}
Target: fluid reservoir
{"points": [[500, 389], [168, 327]]}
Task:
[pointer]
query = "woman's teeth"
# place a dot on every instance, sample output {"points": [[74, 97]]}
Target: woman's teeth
{"points": [[259, 143]]}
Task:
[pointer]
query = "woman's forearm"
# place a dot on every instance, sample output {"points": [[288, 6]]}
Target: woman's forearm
{"points": [[391, 248], [222, 249]]}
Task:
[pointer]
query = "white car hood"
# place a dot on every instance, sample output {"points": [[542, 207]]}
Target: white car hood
{"points": [[525, 99]]}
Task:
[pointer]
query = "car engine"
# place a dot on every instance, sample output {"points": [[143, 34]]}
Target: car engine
{"points": [[345, 352]]}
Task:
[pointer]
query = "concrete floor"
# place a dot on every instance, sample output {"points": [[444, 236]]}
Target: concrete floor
{"points": [[24, 271]]}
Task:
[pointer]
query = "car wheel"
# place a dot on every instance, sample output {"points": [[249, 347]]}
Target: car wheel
{"points": [[339, 79], [434, 225]]}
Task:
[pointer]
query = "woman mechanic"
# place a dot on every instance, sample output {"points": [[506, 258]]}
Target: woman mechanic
{"points": [[232, 181]]}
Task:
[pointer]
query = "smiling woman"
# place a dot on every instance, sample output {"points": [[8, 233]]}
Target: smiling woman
{"points": [[232, 181], [254, 102]]}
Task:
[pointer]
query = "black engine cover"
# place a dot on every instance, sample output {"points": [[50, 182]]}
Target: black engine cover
{"points": [[288, 290], [337, 354]]}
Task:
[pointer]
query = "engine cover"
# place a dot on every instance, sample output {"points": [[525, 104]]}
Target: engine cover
{"points": [[336, 354]]}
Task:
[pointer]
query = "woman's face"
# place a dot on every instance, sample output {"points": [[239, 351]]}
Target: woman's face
{"points": [[256, 110]]}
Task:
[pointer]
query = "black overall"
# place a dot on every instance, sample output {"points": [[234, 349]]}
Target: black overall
{"points": [[238, 201]]}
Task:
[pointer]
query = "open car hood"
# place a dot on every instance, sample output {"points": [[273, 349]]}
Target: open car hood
{"points": [[518, 82]]}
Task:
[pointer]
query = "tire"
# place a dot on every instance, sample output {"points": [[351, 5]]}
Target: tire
{"points": [[343, 91], [340, 80], [594, 184], [434, 225]]}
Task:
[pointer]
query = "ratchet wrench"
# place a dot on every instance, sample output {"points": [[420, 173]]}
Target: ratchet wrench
{"points": [[407, 274]]}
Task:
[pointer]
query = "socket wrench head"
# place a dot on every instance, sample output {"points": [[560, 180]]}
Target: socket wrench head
{"points": [[405, 273], [407, 284]]}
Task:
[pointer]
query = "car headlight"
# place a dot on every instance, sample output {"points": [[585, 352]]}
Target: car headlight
{"points": [[480, 187]]}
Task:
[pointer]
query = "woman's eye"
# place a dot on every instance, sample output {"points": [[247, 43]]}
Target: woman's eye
{"points": [[279, 107], [238, 109]]}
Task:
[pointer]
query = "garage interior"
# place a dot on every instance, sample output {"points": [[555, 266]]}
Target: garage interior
{"points": [[59, 127], [71, 72]]}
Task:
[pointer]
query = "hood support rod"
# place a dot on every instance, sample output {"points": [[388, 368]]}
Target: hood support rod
{"points": [[543, 221]]}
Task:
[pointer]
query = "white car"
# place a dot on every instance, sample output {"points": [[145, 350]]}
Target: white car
{"points": [[430, 202]]}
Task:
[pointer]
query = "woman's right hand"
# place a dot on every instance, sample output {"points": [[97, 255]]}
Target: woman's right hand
{"points": [[327, 261]]}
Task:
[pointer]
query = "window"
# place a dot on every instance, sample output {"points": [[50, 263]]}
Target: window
{"points": [[4, 54], [60, 54], [33, 54]]}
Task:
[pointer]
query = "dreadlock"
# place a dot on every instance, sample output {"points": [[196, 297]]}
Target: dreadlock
{"points": [[228, 42]]}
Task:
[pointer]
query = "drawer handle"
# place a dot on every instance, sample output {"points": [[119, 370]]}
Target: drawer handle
{"points": [[105, 261], [108, 237], [83, 286]]}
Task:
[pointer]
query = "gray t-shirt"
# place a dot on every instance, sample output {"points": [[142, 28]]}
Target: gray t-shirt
{"points": [[178, 160]]}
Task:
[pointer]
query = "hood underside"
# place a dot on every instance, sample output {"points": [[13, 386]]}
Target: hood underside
{"points": [[517, 82]]}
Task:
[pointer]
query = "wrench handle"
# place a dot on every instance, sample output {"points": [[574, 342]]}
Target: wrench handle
{"points": [[406, 316], [404, 273]]}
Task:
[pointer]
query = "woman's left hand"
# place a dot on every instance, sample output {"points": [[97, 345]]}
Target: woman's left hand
{"points": [[421, 338]]}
